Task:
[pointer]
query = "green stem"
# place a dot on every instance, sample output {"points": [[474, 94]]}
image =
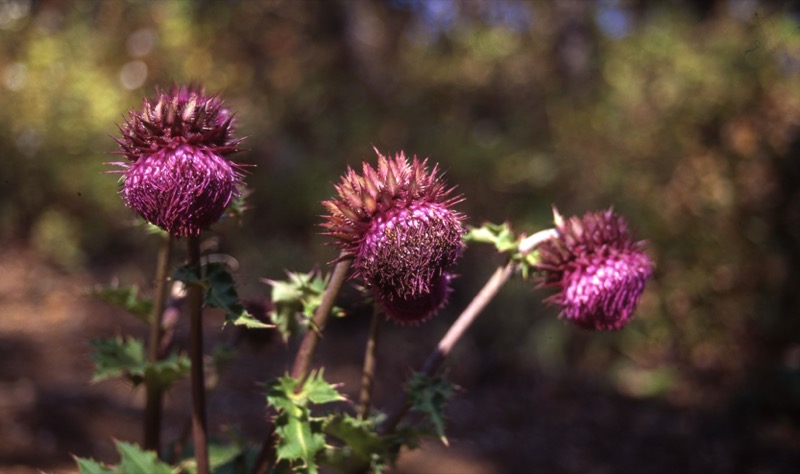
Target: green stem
{"points": [[368, 372], [154, 403], [195, 302]]}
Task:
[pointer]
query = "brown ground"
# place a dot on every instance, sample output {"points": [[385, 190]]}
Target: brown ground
{"points": [[500, 422]]}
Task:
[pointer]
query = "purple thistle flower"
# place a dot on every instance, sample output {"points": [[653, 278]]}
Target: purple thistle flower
{"points": [[396, 221], [177, 176], [599, 270]]}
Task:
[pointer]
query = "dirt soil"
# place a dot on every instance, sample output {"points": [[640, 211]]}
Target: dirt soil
{"points": [[500, 422]]}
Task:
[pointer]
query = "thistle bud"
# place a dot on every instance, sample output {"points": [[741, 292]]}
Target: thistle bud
{"points": [[177, 176], [599, 270], [397, 224]]}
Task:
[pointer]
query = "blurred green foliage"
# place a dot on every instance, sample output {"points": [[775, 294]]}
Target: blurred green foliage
{"points": [[685, 120]]}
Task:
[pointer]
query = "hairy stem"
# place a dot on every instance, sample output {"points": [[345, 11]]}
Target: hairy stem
{"points": [[459, 327], [305, 353], [368, 372], [195, 302], [154, 404]]}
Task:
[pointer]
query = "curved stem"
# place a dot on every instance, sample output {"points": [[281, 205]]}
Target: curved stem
{"points": [[195, 301], [368, 372], [154, 404], [305, 353], [459, 327], [302, 361], [532, 241]]}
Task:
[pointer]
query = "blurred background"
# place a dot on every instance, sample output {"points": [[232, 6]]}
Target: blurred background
{"points": [[683, 115]]}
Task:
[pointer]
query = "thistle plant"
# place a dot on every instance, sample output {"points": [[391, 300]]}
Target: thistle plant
{"points": [[399, 237], [177, 177]]}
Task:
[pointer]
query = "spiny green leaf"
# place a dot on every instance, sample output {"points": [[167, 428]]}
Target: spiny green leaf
{"points": [[286, 304], [126, 298], [499, 235], [301, 436], [245, 318], [429, 395], [505, 241], [296, 299], [358, 434], [117, 357], [528, 262], [221, 293], [166, 371], [134, 460], [90, 466], [138, 461], [318, 391], [300, 439], [280, 393], [361, 446]]}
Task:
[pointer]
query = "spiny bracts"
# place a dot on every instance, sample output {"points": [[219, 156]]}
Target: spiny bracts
{"points": [[398, 224], [177, 176], [599, 270]]}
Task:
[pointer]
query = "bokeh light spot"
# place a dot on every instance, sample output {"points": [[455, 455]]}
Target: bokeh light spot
{"points": [[141, 42], [133, 74]]}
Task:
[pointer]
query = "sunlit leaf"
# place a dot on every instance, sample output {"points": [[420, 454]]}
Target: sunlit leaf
{"points": [[300, 440], [296, 299], [301, 436], [90, 466], [138, 461], [318, 391], [133, 460], [280, 393], [499, 235]]}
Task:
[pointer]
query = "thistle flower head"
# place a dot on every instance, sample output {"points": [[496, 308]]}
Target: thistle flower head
{"points": [[599, 270], [177, 176], [396, 221]]}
